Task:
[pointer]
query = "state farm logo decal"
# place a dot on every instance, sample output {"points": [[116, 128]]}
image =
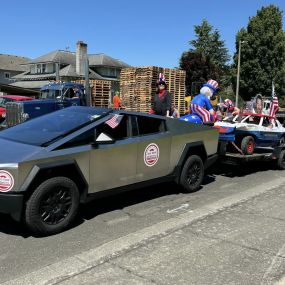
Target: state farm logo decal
{"points": [[151, 154], [6, 181]]}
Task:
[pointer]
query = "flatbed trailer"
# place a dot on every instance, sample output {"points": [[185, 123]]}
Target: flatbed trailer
{"points": [[276, 155]]}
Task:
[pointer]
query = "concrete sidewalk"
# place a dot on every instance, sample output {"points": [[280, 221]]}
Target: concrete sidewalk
{"points": [[237, 240]]}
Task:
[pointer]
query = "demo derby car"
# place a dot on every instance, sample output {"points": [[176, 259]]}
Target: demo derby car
{"points": [[50, 164], [255, 130]]}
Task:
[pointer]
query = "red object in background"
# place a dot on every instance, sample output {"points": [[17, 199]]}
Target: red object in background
{"points": [[4, 99]]}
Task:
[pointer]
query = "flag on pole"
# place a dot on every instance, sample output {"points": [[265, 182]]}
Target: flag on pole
{"points": [[161, 77], [114, 121], [274, 105]]}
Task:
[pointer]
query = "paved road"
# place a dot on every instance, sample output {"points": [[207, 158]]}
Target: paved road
{"points": [[113, 218]]}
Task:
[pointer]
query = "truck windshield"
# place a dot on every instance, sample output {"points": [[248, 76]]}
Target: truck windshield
{"points": [[43, 130], [50, 94]]}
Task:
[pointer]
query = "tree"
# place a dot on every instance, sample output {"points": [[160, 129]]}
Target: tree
{"points": [[262, 54], [207, 57], [209, 44], [198, 70]]}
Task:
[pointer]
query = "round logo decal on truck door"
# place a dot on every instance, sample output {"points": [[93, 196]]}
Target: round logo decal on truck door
{"points": [[6, 181], [151, 154]]}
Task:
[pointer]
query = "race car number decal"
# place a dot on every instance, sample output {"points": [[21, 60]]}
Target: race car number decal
{"points": [[6, 181], [151, 154]]}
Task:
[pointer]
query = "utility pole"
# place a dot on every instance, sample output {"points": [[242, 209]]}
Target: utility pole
{"points": [[238, 72], [87, 85]]}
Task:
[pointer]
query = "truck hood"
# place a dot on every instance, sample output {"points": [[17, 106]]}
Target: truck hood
{"points": [[13, 152]]}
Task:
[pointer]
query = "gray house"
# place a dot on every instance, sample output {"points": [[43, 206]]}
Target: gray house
{"points": [[11, 65], [68, 66]]}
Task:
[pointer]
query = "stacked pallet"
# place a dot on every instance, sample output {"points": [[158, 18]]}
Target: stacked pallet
{"points": [[100, 92], [138, 86]]}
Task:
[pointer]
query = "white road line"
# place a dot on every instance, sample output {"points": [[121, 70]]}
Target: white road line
{"points": [[182, 207]]}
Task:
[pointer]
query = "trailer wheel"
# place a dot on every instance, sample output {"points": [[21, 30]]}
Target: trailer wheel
{"points": [[192, 174], [281, 160], [52, 206], [247, 145]]}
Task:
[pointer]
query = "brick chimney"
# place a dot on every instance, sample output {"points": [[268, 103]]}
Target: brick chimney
{"points": [[81, 55]]}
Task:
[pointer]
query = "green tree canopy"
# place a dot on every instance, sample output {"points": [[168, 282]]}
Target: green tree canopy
{"points": [[207, 57], [209, 44], [198, 70], [262, 54]]}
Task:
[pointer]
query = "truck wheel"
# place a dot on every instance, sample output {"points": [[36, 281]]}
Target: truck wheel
{"points": [[247, 145], [281, 160], [192, 174], [52, 206]]}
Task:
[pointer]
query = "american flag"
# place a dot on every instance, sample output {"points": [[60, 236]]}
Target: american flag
{"points": [[161, 77], [114, 121], [274, 106]]}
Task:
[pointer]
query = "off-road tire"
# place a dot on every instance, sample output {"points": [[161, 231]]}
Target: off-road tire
{"points": [[52, 206], [247, 145], [192, 174]]}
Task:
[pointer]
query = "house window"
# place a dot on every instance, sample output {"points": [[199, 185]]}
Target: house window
{"points": [[38, 68], [44, 68], [7, 75]]}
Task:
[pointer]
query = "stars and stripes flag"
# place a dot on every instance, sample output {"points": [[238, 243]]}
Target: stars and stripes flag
{"points": [[274, 105], [161, 77], [114, 121]]}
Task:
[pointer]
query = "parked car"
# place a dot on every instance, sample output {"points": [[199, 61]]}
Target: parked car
{"points": [[4, 99], [255, 130], [51, 163]]}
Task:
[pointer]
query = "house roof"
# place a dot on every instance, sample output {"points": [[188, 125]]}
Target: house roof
{"points": [[13, 62], [31, 84], [68, 71], [62, 56], [105, 60]]}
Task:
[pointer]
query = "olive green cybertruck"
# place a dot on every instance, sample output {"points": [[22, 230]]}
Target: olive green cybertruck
{"points": [[52, 163]]}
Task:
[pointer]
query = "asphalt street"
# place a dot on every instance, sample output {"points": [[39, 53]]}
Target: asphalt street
{"points": [[229, 232]]}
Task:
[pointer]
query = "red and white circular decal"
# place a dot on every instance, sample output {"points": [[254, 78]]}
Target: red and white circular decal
{"points": [[6, 181], [151, 154]]}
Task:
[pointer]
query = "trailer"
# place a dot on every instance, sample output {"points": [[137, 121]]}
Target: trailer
{"points": [[274, 154]]}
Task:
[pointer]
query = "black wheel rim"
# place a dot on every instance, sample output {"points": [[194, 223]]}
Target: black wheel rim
{"points": [[193, 174], [55, 206]]}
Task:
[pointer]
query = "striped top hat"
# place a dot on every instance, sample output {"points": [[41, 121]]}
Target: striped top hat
{"points": [[212, 84]]}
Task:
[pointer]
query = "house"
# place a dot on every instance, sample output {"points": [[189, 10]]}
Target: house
{"points": [[11, 65], [64, 65]]}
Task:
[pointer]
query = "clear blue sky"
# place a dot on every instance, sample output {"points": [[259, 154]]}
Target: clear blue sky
{"points": [[141, 33]]}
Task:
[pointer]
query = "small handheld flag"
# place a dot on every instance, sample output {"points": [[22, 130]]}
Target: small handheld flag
{"points": [[114, 121]]}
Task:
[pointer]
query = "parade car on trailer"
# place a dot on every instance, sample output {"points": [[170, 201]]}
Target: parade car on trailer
{"points": [[50, 164], [252, 131]]}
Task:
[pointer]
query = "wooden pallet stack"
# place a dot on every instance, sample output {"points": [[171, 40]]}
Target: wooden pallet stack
{"points": [[138, 86], [100, 92]]}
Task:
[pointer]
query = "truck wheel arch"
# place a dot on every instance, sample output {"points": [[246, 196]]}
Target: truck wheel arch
{"points": [[42, 172], [193, 148]]}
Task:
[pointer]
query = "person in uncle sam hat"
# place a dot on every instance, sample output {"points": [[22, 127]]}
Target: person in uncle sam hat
{"points": [[201, 105], [162, 100]]}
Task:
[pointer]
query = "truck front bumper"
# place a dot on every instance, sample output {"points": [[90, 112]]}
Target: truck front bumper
{"points": [[11, 203]]}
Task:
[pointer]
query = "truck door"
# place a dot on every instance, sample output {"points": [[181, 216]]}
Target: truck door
{"points": [[113, 164]]}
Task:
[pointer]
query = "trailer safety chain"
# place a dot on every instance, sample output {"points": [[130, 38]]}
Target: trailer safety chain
{"points": [[237, 148]]}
